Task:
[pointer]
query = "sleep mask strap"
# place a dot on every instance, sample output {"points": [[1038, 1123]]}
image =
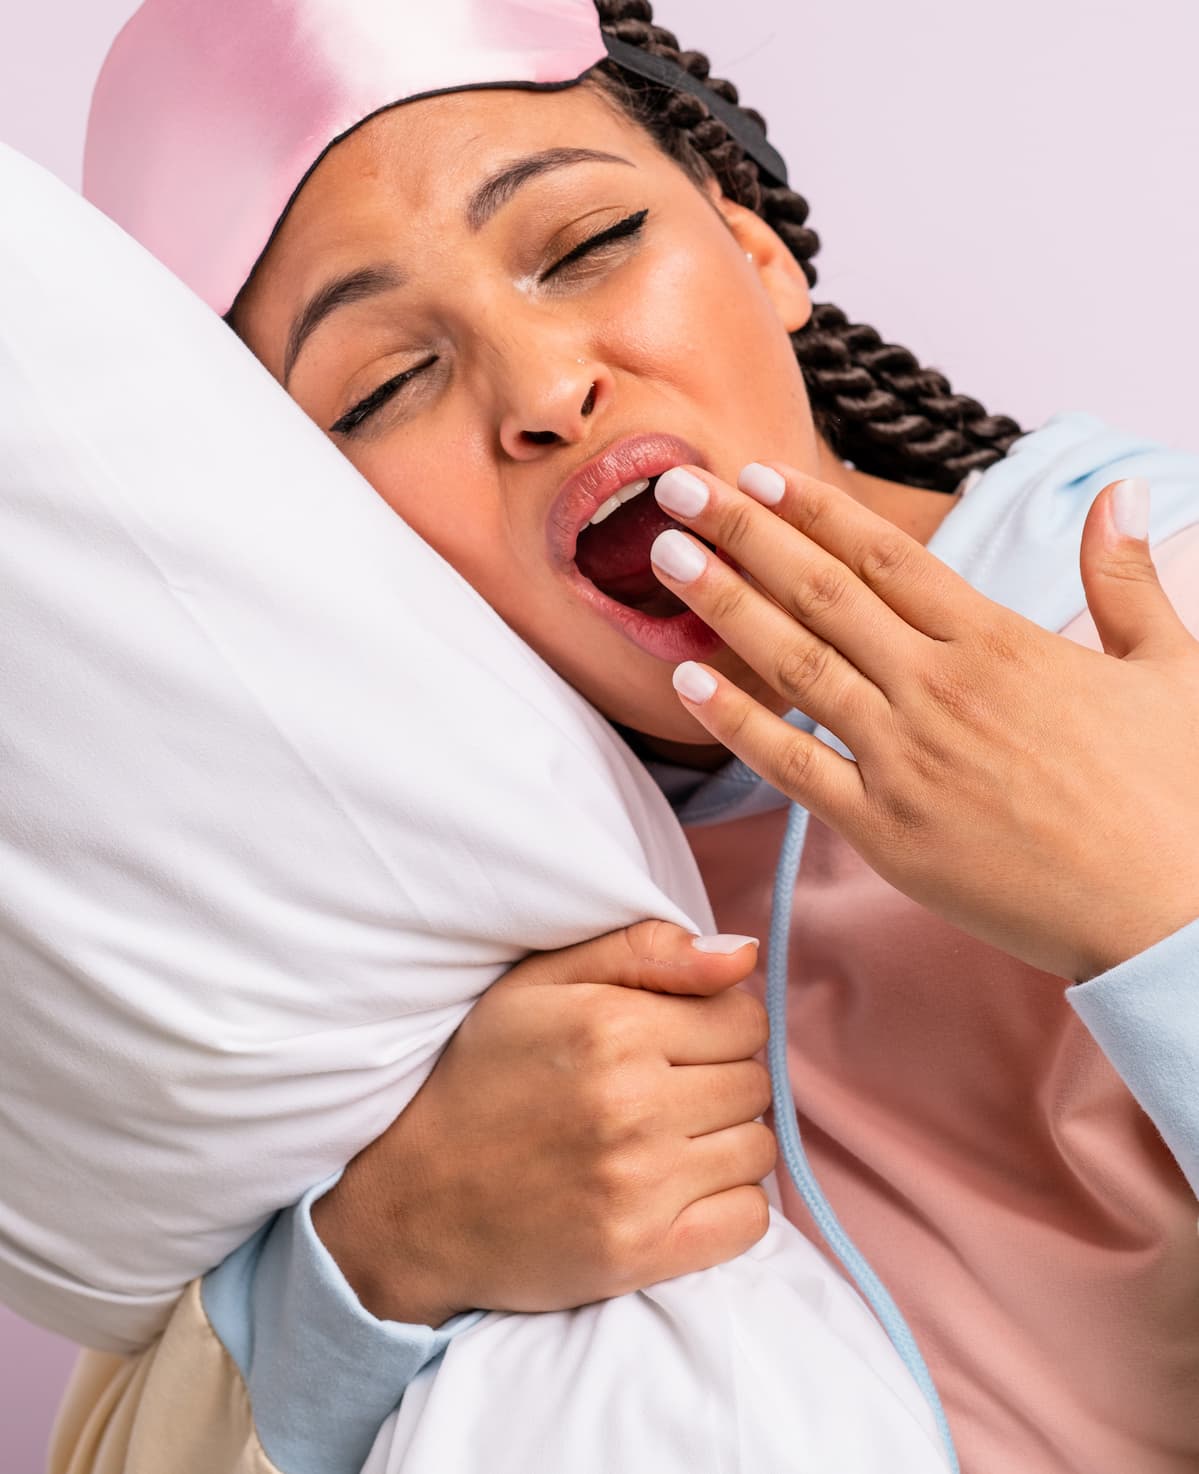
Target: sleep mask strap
{"points": [[669, 74]]}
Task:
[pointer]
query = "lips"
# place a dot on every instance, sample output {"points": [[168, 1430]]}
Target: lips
{"points": [[675, 637], [635, 458]]}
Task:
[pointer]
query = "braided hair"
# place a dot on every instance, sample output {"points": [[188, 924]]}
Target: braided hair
{"points": [[871, 401]]}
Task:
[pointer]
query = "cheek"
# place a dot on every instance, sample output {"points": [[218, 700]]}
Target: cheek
{"points": [[442, 487], [664, 306], [712, 335]]}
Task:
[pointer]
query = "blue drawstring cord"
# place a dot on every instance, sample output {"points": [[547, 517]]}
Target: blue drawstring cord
{"points": [[874, 1292]]}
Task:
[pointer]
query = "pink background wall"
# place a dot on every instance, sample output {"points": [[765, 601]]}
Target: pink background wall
{"points": [[1007, 189]]}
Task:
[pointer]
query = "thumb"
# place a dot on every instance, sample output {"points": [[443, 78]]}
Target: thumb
{"points": [[1127, 602], [655, 955]]}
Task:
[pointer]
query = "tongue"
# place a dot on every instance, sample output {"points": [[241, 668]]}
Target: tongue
{"points": [[615, 555]]}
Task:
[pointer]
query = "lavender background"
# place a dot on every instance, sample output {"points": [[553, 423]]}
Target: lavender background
{"points": [[1010, 190]]}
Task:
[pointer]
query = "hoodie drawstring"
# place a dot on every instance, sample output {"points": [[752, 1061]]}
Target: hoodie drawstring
{"points": [[873, 1291]]}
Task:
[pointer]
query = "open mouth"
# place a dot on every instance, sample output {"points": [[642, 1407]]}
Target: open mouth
{"points": [[613, 551], [600, 531]]}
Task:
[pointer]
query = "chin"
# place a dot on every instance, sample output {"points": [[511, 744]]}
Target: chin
{"points": [[681, 741]]}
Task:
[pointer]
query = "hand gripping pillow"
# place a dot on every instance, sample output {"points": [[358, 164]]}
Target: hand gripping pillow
{"points": [[280, 797]]}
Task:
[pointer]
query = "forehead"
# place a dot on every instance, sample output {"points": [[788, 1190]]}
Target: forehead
{"points": [[415, 165]]}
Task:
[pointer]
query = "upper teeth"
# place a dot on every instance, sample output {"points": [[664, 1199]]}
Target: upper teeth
{"points": [[618, 499]]}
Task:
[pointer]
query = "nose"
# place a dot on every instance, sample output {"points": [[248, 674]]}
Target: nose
{"points": [[552, 402]]}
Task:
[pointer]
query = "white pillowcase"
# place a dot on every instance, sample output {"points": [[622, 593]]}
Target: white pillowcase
{"points": [[279, 793], [280, 797]]}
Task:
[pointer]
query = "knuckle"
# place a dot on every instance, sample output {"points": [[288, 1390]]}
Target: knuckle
{"points": [[819, 591], [885, 560], [614, 1180], [794, 767], [799, 669], [633, 942], [646, 942], [631, 946], [619, 1112], [737, 726], [609, 1036], [810, 506], [954, 694], [905, 818], [726, 600], [1129, 570], [1001, 641], [620, 1247], [736, 523]]}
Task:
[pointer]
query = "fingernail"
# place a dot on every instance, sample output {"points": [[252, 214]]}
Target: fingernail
{"points": [[1130, 507], [676, 555], [694, 682], [763, 484], [723, 943], [680, 492]]}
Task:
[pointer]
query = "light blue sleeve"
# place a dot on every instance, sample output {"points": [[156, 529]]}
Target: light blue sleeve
{"points": [[321, 1372], [1144, 1014]]}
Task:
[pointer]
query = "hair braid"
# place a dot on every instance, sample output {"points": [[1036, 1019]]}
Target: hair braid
{"points": [[872, 401]]}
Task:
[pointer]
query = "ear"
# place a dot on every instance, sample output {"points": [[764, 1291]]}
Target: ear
{"points": [[779, 271]]}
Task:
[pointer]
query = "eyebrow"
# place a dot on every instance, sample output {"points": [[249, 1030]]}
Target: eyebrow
{"points": [[372, 281], [342, 291], [495, 192]]}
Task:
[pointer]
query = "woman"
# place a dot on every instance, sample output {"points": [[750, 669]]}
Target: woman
{"points": [[502, 353]]}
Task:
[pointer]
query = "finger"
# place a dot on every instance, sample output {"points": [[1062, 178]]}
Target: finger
{"points": [[806, 580], [1132, 612], [655, 955], [926, 593], [709, 1031], [737, 1157], [796, 763], [707, 1098], [810, 673], [712, 1231]]}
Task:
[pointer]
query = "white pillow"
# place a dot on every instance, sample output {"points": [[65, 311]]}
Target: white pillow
{"points": [[269, 770], [280, 797]]}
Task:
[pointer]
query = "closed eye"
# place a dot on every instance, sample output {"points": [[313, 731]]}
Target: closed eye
{"points": [[629, 226], [363, 410]]}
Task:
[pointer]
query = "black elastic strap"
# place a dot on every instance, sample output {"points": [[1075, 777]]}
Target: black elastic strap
{"points": [[669, 74]]}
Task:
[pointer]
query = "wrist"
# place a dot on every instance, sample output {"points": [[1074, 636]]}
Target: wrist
{"points": [[365, 1255], [1132, 940]]}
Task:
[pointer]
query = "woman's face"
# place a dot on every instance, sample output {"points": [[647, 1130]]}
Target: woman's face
{"points": [[505, 307]]}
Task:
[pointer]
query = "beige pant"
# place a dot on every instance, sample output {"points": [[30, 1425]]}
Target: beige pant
{"points": [[180, 1407]]}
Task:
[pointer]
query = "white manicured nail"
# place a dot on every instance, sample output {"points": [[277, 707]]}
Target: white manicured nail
{"points": [[763, 484], [680, 492], [723, 944], [694, 682], [1130, 507], [677, 556]]}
